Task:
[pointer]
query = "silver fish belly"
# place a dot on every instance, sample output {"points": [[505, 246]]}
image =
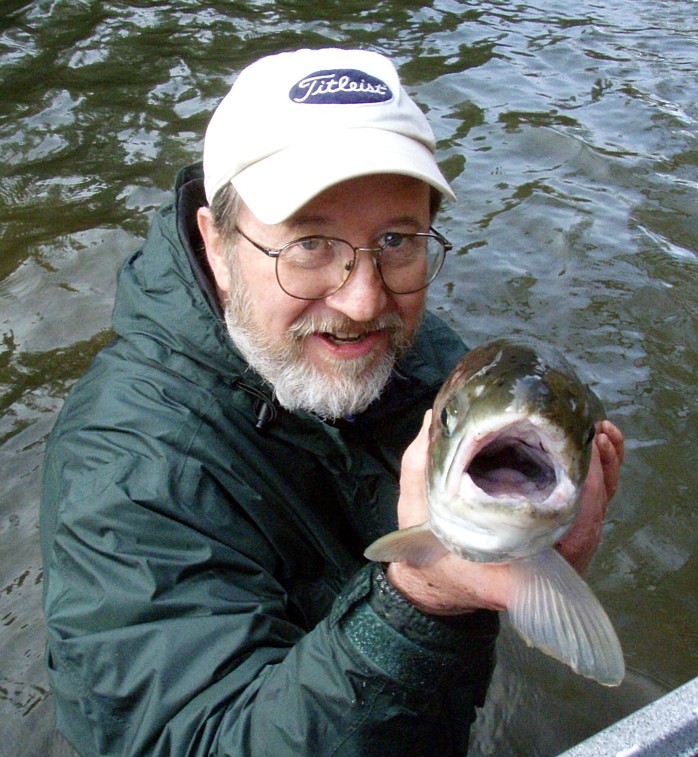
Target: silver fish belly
{"points": [[509, 449]]}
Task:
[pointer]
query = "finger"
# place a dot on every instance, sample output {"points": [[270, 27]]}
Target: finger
{"points": [[617, 439], [417, 450], [610, 464], [412, 506], [595, 493], [615, 435]]}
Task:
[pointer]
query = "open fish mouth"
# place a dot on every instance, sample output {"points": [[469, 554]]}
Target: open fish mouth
{"points": [[514, 463]]}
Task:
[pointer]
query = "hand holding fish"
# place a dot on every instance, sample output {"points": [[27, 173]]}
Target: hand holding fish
{"points": [[448, 586], [512, 469], [581, 541], [451, 586]]}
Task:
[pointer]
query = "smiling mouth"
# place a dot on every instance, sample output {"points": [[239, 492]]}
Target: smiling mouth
{"points": [[344, 338], [345, 332]]}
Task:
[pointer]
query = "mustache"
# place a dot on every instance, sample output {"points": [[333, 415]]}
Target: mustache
{"points": [[332, 324]]}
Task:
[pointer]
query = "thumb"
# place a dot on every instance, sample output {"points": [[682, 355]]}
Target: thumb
{"points": [[412, 507]]}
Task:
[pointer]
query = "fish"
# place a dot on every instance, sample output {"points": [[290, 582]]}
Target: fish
{"points": [[510, 444]]}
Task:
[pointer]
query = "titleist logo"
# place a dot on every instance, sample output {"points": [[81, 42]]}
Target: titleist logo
{"points": [[340, 87]]}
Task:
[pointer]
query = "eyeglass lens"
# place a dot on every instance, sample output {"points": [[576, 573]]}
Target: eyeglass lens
{"points": [[317, 267]]}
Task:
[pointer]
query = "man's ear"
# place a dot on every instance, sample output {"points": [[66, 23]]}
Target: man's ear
{"points": [[215, 250]]}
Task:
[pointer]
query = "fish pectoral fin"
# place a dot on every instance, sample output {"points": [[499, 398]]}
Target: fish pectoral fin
{"points": [[553, 609], [416, 545]]}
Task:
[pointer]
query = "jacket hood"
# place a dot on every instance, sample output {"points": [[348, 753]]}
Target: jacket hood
{"points": [[165, 300]]}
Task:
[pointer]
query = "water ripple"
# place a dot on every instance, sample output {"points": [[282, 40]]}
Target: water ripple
{"points": [[569, 132]]}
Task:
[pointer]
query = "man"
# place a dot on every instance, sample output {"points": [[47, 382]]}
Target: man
{"points": [[213, 480]]}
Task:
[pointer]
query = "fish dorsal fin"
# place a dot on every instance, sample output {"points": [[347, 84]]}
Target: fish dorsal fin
{"points": [[553, 609], [416, 545]]}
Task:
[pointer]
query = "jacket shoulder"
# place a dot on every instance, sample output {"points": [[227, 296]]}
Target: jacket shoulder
{"points": [[435, 352]]}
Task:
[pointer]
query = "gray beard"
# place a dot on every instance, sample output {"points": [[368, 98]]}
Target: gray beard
{"points": [[345, 388]]}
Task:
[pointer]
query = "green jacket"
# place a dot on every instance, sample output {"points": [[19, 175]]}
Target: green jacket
{"points": [[205, 586]]}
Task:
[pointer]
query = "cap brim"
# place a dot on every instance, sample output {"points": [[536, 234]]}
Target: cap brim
{"points": [[279, 185]]}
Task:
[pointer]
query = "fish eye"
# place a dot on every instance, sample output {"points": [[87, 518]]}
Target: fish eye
{"points": [[449, 417], [445, 418]]}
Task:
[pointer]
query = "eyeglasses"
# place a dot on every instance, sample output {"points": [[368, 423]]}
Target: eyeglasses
{"points": [[315, 267]]}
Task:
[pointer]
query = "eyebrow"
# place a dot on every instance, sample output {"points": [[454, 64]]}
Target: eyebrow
{"points": [[303, 221], [299, 221]]}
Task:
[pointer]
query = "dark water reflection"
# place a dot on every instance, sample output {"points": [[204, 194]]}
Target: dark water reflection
{"points": [[570, 133]]}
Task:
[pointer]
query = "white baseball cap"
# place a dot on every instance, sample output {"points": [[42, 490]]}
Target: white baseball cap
{"points": [[296, 123]]}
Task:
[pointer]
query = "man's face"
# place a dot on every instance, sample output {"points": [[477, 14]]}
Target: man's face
{"points": [[333, 356]]}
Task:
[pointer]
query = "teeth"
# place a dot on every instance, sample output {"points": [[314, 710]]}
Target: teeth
{"points": [[345, 337]]}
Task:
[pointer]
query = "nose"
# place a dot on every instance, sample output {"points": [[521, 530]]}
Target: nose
{"points": [[363, 296]]}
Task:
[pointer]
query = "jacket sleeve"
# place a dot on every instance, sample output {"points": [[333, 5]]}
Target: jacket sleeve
{"points": [[171, 635]]}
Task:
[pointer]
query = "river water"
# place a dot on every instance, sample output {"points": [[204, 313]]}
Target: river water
{"points": [[570, 133]]}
